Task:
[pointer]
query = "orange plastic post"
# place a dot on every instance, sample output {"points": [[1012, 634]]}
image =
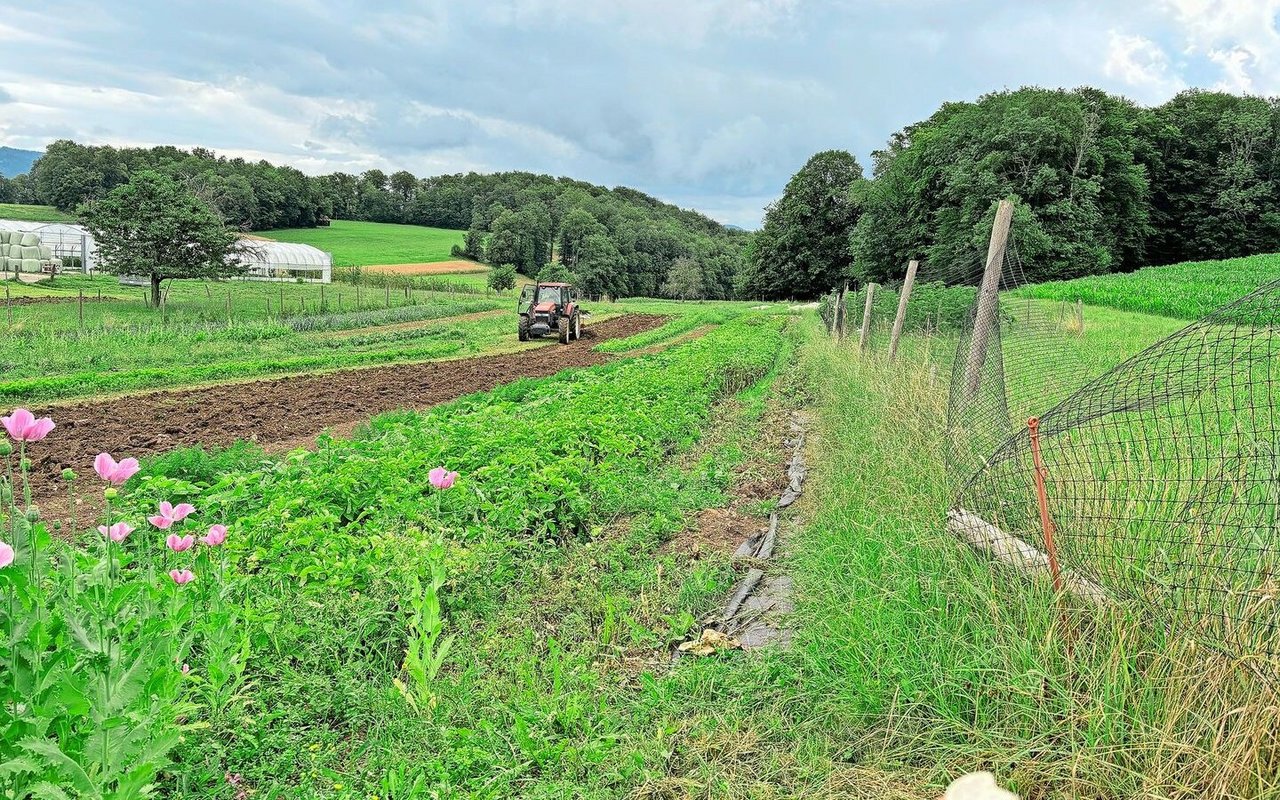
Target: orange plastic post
{"points": [[1042, 496]]}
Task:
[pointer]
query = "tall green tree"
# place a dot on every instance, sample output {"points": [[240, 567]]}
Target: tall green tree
{"points": [[1067, 158], [803, 248], [154, 226], [599, 267], [685, 280]]}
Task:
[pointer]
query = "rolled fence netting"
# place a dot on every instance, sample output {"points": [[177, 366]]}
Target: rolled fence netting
{"points": [[1154, 483]]}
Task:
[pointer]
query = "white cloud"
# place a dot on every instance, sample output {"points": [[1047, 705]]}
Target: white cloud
{"points": [[1142, 65], [1240, 37]]}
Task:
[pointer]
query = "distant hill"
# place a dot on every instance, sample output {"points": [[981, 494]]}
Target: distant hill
{"points": [[16, 162]]}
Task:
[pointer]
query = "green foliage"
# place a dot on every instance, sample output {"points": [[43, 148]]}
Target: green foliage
{"points": [[1068, 159], [503, 278], [1185, 291], [934, 307], [375, 597], [685, 280], [94, 642], [45, 354], [803, 248], [556, 273], [152, 226]]}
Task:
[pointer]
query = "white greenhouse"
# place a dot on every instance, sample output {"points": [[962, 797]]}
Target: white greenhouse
{"points": [[286, 261], [72, 248]]}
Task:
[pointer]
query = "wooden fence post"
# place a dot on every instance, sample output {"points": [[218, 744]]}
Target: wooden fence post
{"points": [[902, 308], [842, 311], [82, 308], [8, 303], [863, 339], [988, 299]]}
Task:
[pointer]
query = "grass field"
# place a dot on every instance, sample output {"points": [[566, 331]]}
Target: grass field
{"points": [[368, 243], [366, 633], [26, 213], [227, 330], [1185, 291]]}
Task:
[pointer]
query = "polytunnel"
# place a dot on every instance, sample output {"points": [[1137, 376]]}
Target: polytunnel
{"points": [[286, 261]]}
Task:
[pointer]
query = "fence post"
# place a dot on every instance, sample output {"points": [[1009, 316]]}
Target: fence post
{"points": [[8, 303], [863, 338], [842, 311], [228, 305], [388, 288], [902, 308], [282, 301], [1042, 498], [988, 298], [1079, 318]]}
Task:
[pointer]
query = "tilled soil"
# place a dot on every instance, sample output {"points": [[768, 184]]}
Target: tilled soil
{"points": [[286, 410]]}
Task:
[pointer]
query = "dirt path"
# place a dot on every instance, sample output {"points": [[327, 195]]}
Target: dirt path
{"points": [[286, 410]]}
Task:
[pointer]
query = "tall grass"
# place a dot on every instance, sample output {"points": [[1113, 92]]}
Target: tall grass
{"points": [[918, 654]]}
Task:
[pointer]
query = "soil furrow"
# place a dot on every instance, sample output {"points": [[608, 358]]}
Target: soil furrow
{"points": [[286, 410]]}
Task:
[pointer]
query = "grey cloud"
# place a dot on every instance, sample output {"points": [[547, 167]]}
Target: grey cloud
{"points": [[710, 103]]}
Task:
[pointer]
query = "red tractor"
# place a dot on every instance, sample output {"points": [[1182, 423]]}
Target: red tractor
{"points": [[550, 308]]}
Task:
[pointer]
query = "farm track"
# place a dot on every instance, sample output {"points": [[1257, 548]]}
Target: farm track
{"points": [[286, 411]]}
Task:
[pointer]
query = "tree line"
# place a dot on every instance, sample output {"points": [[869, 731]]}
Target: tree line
{"points": [[615, 242], [1100, 185]]}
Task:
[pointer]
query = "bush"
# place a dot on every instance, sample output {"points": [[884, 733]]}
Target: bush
{"points": [[503, 278]]}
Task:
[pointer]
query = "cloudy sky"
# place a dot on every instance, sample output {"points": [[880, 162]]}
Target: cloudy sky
{"points": [[707, 103]]}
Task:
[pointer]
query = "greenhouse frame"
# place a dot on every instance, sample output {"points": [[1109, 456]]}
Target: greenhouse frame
{"points": [[266, 260]]}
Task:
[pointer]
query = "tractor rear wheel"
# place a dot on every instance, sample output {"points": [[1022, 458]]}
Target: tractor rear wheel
{"points": [[524, 328], [564, 330]]}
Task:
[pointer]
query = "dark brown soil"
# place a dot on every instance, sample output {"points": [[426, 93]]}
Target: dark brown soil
{"points": [[285, 410]]}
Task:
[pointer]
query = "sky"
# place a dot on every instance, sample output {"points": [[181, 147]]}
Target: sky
{"points": [[710, 104]]}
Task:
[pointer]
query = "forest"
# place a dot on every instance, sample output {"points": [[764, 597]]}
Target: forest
{"points": [[1101, 185]]}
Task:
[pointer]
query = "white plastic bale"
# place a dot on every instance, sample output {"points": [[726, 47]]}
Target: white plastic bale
{"points": [[29, 240], [30, 264], [15, 251]]}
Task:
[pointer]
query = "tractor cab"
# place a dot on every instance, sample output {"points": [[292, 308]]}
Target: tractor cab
{"points": [[546, 308]]}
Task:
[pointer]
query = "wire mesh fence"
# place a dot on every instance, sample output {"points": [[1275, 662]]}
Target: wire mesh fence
{"points": [[1160, 476]]}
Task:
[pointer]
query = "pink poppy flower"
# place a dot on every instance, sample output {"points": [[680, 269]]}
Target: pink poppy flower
{"points": [[112, 472], [118, 532], [170, 514], [178, 543], [182, 576], [441, 478], [217, 535], [6, 554], [23, 426]]}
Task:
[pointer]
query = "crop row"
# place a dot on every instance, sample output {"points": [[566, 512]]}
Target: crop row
{"points": [[536, 457], [1185, 291]]}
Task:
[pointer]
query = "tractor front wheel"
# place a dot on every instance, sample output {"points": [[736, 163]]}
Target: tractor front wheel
{"points": [[564, 330], [524, 328], [577, 327]]}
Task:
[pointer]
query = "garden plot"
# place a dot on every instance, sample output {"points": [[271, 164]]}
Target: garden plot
{"points": [[293, 409]]}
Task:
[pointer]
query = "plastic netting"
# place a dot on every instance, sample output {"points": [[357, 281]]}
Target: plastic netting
{"points": [[1162, 473]]}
